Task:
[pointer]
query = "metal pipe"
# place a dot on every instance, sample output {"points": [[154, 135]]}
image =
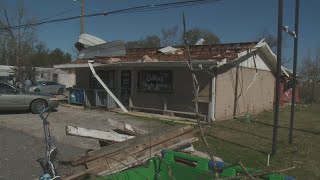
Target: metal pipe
{"points": [[278, 73], [212, 97], [295, 59]]}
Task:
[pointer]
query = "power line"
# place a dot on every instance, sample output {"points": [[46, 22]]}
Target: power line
{"points": [[136, 9], [38, 21], [58, 14]]}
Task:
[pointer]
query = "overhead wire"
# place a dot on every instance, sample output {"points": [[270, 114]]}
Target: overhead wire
{"points": [[58, 14], [136, 9], [41, 20]]}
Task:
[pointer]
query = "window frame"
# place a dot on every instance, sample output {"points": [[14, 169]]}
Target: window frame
{"points": [[105, 75], [140, 79], [14, 90]]}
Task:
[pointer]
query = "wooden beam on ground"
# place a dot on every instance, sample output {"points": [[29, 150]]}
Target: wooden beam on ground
{"points": [[126, 127], [136, 144], [124, 160], [138, 158], [109, 135]]}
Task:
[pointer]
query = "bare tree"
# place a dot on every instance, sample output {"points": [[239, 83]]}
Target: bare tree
{"points": [[194, 34], [272, 41], [310, 83], [169, 37], [147, 42], [17, 39]]}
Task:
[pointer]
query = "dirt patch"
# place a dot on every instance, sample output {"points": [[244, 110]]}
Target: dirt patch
{"points": [[19, 152], [31, 124]]}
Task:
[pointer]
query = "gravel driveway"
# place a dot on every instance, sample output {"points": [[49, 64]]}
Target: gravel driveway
{"points": [[22, 142], [31, 124], [19, 152]]}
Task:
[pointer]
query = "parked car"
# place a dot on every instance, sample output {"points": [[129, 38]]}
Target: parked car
{"points": [[13, 99], [48, 87]]}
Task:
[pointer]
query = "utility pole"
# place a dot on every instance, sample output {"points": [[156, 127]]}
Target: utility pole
{"points": [[82, 18], [278, 73], [295, 59]]}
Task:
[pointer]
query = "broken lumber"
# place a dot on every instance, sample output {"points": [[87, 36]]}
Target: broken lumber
{"points": [[126, 127], [109, 135], [136, 144], [125, 159], [138, 158]]}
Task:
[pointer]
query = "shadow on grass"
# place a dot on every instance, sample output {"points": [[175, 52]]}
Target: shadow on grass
{"points": [[283, 127], [237, 144], [252, 134]]}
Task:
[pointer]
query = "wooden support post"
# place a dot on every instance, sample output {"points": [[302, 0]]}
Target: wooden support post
{"points": [[130, 104], [164, 106]]}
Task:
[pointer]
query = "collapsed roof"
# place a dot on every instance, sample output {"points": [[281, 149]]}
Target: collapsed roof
{"points": [[178, 53], [205, 55]]}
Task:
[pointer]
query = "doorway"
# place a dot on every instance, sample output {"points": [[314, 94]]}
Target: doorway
{"points": [[125, 86]]}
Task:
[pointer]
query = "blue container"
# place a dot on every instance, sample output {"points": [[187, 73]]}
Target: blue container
{"points": [[76, 96]]}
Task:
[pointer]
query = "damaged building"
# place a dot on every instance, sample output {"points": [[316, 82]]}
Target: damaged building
{"points": [[234, 78]]}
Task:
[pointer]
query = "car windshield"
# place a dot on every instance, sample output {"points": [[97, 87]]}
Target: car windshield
{"points": [[39, 83]]}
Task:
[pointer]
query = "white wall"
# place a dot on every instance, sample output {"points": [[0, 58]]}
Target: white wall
{"points": [[67, 79], [44, 74], [252, 61]]}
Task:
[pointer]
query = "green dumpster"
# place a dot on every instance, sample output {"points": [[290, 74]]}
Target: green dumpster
{"points": [[181, 166]]}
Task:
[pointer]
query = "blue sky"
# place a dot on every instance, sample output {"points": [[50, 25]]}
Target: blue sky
{"points": [[231, 20]]}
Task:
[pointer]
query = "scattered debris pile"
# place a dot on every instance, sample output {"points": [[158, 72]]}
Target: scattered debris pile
{"points": [[130, 152], [123, 151]]}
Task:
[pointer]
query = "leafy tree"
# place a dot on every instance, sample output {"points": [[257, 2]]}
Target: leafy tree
{"points": [[57, 56], [194, 34], [39, 57], [43, 57]]}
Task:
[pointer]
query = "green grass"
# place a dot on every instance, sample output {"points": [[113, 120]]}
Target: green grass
{"points": [[250, 142]]}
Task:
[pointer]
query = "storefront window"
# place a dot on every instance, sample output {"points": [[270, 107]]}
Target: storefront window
{"points": [[155, 81]]}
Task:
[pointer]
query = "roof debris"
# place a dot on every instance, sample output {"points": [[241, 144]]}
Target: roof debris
{"points": [[198, 52]]}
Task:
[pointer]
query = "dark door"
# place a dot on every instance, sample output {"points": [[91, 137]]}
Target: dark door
{"points": [[125, 86]]}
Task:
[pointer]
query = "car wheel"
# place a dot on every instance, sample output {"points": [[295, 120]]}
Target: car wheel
{"points": [[60, 91], [36, 90], [38, 105]]}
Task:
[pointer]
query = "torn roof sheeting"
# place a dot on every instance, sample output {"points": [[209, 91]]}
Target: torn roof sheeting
{"points": [[110, 49], [87, 40], [168, 50]]}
